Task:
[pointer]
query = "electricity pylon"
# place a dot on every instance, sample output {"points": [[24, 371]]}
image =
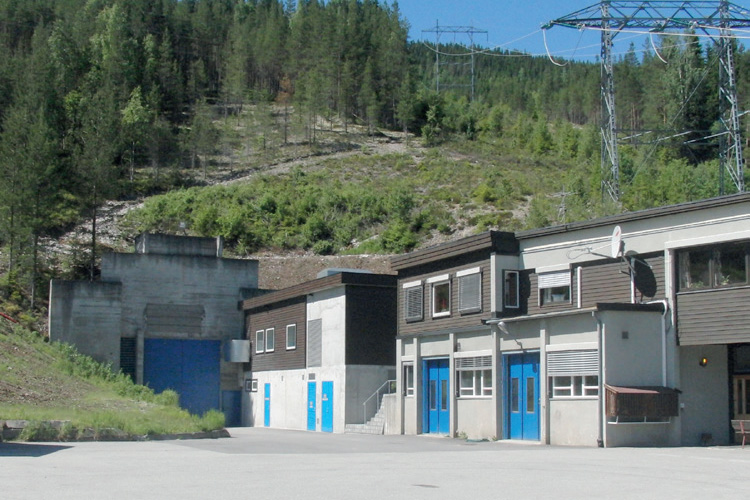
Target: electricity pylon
{"points": [[614, 17], [470, 31]]}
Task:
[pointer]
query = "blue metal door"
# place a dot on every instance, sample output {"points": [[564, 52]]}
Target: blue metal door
{"points": [[311, 414], [326, 407], [190, 367], [267, 405], [436, 397], [522, 401]]}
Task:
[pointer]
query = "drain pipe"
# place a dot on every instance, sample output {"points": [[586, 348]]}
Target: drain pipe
{"points": [[600, 337], [663, 339]]}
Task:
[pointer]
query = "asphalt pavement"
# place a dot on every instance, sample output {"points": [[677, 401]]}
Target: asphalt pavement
{"points": [[258, 463]]}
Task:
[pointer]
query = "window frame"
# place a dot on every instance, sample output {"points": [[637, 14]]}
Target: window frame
{"points": [[463, 278], [550, 282], [411, 298], [408, 380], [260, 341], [575, 388], [478, 371], [713, 265], [294, 345], [437, 283], [270, 334]]}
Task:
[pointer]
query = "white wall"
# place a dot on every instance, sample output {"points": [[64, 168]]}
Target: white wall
{"points": [[573, 422], [330, 307]]}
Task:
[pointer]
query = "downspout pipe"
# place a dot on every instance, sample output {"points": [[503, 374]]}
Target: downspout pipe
{"points": [[600, 338], [663, 339]]}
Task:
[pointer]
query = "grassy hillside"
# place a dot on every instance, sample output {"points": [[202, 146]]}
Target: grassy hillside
{"points": [[42, 381]]}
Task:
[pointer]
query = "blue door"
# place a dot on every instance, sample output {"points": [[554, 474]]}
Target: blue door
{"points": [[326, 407], [311, 414], [267, 405], [190, 367], [436, 397], [522, 398]]}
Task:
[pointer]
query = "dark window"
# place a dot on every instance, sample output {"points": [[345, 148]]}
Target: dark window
{"points": [[724, 265], [510, 291]]}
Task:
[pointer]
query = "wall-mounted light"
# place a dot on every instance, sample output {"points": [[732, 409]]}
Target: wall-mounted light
{"points": [[703, 361]]}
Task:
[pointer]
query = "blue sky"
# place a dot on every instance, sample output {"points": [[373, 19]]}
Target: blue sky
{"points": [[514, 24]]}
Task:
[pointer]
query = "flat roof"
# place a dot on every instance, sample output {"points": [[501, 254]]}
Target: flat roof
{"points": [[492, 241], [648, 213], [320, 284]]}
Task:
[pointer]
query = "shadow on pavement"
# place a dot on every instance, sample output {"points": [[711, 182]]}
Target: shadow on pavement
{"points": [[29, 449]]}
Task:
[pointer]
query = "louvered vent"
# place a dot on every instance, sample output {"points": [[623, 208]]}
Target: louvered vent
{"points": [[314, 342], [569, 363], [474, 363]]}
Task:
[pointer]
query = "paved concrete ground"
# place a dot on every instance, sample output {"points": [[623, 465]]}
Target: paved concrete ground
{"points": [[274, 464]]}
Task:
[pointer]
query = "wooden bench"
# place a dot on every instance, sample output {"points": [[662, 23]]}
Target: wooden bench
{"points": [[741, 427]]}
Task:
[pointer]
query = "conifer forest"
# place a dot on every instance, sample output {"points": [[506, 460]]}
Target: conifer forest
{"points": [[135, 99]]}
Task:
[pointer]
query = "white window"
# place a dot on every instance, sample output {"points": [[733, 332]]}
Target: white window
{"points": [[554, 288], [469, 290], [474, 377], [408, 380], [511, 292], [441, 296], [259, 341], [575, 386], [270, 340], [413, 301], [574, 373], [291, 337]]}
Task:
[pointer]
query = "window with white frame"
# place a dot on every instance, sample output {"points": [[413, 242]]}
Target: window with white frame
{"points": [[441, 296], [291, 337], [413, 301], [408, 379], [270, 339], [469, 290], [511, 290], [574, 373], [260, 343], [554, 288], [474, 377]]}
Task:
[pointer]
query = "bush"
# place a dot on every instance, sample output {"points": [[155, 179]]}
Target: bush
{"points": [[39, 431]]}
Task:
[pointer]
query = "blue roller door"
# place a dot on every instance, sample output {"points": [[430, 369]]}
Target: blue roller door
{"points": [[190, 367]]}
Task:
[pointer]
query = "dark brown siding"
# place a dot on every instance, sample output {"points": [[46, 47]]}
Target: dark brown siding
{"points": [[370, 325], [456, 320], [292, 312], [714, 316], [604, 283]]}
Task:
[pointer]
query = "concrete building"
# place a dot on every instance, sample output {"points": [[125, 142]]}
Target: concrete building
{"points": [[619, 331], [164, 314], [320, 350]]}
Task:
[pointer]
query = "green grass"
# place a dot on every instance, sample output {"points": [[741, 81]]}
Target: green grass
{"points": [[41, 381]]}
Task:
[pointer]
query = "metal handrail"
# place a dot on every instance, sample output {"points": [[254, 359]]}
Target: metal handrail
{"points": [[389, 385]]}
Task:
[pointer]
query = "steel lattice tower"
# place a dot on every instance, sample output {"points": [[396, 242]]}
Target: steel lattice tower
{"points": [[470, 31], [613, 17]]}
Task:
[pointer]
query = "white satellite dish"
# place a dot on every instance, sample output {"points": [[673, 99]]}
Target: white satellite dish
{"points": [[616, 242]]}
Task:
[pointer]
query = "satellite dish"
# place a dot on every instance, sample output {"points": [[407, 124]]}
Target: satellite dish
{"points": [[616, 242]]}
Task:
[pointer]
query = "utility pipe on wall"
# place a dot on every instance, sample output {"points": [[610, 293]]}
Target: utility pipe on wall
{"points": [[600, 337]]}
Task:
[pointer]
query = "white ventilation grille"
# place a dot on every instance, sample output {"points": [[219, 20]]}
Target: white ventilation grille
{"points": [[474, 363], [314, 342], [569, 363]]}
